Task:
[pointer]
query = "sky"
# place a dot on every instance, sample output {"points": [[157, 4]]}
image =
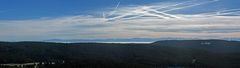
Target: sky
{"points": [[34, 20]]}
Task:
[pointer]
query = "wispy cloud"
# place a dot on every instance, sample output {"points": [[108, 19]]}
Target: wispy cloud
{"points": [[139, 21], [163, 11]]}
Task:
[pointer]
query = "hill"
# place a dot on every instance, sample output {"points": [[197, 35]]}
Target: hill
{"points": [[169, 53]]}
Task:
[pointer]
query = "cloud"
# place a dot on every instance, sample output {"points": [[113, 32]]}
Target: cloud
{"points": [[148, 21]]}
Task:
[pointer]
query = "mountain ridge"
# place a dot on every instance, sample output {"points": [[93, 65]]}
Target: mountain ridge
{"points": [[150, 40]]}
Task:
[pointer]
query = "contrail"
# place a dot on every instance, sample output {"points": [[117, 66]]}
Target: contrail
{"points": [[141, 12], [189, 6], [133, 17], [173, 16], [153, 11], [135, 13], [145, 11], [170, 15], [121, 16], [175, 4], [159, 16], [229, 13], [148, 12], [103, 15], [230, 10], [115, 9], [223, 12], [117, 5]]}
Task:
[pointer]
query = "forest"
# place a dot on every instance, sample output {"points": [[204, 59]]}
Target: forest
{"points": [[160, 54]]}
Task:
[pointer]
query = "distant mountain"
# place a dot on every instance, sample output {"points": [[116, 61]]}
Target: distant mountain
{"points": [[127, 40], [131, 40]]}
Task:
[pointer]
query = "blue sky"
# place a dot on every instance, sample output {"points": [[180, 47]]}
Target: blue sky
{"points": [[30, 9], [97, 19]]}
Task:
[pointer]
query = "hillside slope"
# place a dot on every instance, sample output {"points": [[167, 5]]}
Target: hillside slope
{"points": [[185, 53]]}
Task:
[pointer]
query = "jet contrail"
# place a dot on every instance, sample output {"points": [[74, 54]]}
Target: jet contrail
{"points": [[189, 6], [117, 5], [223, 12], [144, 11], [159, 16], [170, 15], [159, 12], [133, 17], [134, 13], [228, 13], [230, 10], [115, 9], [103, 15], [147, 12], [121, 16], [175, 4], [155, 12]]}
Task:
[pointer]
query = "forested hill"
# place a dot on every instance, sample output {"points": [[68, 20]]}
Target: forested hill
{"points": [[181, 53], [211, 45]]}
